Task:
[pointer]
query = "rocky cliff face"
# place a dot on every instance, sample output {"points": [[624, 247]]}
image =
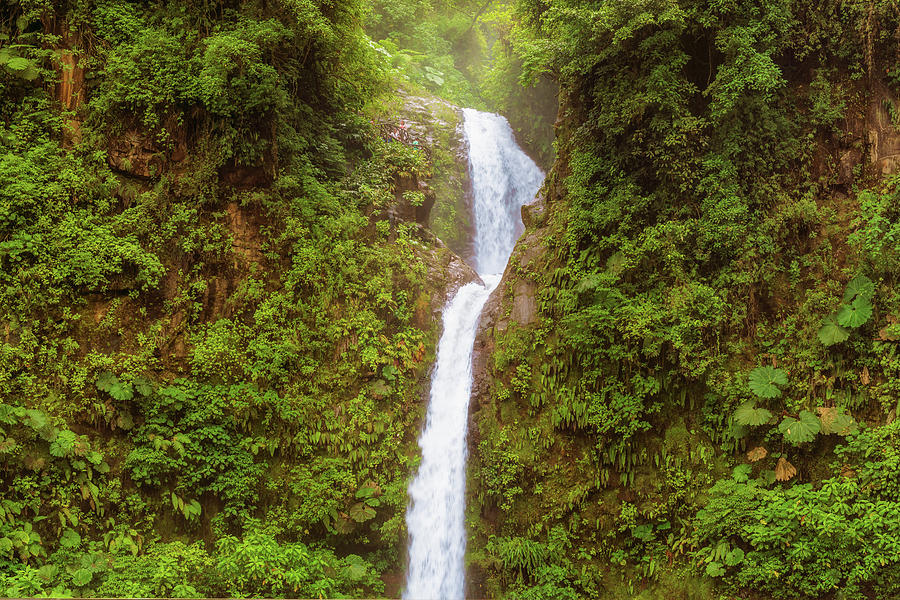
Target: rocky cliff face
{"points": [[436, 126], [513, 304], [516, 481]]}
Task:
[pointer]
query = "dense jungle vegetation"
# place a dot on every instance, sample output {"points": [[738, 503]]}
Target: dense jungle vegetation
{"points": [[217, 296], [705, 403]]}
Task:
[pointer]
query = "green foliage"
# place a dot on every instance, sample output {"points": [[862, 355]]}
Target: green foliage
{"points": [[801, 429], [876, 228], [837, 535], [434, 45], [501, 473], [517, 554], [764, 381], [856, 313], [749, 414], [698, 227], [109, 383], [860, 287], [259, 566], [193, 301], [831, 333]]}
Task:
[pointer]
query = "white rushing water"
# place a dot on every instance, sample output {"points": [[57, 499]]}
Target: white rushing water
{"points": [[503, 179]]}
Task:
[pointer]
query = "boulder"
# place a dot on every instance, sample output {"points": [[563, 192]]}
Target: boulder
{"points": [[534, 214]]}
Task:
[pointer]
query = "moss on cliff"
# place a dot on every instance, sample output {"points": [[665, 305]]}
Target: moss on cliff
{"points": [[717, 207]]}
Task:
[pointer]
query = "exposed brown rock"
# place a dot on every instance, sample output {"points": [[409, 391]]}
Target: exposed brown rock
{"points": [[534, 214], [883, 137], [69, 92], [136, 154]]}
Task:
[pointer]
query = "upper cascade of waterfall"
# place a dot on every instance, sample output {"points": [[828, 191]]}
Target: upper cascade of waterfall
{"points": [[503, 179]]}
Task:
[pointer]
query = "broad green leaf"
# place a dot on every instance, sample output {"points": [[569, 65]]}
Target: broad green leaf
{"points": [[109, 383], [434, 76], [30, 74], [741, 473], [764, 381], [122, 391], [766, 477], [359, 512], [835, 421], [734, 557], [48, 572], [36, 419], [715, 569], [64, 443], [344, 525], [380, 388], [802, 429], [7, 414], [183, 590], [106, 380], [368, 490], [82, 577], [830, 333], [642, 532], [856, 313], [143, 386], [860, 286], [748, 414], [390, 372], [192, 509], [355, 571], [69, 538], [125, 420]]}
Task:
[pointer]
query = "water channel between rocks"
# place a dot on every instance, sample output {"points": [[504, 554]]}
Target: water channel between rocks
{"points": [[503, 179]]}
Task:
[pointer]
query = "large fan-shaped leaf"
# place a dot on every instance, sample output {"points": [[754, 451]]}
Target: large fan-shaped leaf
{"points": [[856, 313], [368, 490], [835, 421], [715, 569], [64, 443], [69, 538], [113, 386], [356, 568], [36, 419], [764, 381], [734, 557], [106, 380], [784, 470], [802, 429], [757, 453], [748, 414], [17, 63], [741, 473], [82, 577], [143, 386], [860, 286], [830, 333], [359, 512]]}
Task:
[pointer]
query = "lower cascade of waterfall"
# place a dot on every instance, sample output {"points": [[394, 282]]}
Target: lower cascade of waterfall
{"points": [[503, 179]]}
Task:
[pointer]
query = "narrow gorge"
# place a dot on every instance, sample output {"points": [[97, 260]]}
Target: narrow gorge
{"points": [[279, 319], [503, 179]]}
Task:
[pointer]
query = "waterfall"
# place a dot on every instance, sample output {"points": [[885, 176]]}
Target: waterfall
{"points": [[503, 179]]}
